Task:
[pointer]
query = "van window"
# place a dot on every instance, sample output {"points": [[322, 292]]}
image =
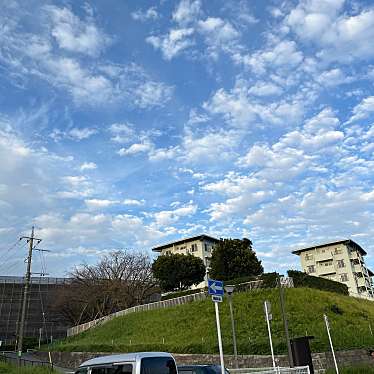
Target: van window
{"points": [[158, 365], [82, 371], [117, 369]]}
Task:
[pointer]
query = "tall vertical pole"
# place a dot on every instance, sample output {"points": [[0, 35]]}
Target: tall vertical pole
{"points": [[233, 331], [331, 345], [25, 293], [219, 338], [285, 322], [40, 336], [269, 332]]}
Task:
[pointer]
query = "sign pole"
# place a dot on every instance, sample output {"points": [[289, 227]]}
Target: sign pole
{"points": [[331, 345], [269, 331], [219, 338]]}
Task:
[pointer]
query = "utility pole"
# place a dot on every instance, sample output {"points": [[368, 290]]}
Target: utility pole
{"points": [[330, 340], [285, 322], [30, 239], [229, 290], [268, 317]]}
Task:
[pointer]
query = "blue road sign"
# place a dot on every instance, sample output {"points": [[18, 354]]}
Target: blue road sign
{"points": [[215, 287]]}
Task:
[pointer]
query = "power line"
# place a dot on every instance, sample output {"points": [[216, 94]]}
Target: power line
{"points": [[10, 248], [10, 258]]}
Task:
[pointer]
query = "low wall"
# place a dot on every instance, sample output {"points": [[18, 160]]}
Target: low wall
{"points": [[321, 361]]}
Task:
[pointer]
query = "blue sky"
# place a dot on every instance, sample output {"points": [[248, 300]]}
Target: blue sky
{"points": [[127, 124]]}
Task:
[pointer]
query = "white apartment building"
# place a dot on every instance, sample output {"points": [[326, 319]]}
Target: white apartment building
{"points": [[341, 261], [199, 246]]}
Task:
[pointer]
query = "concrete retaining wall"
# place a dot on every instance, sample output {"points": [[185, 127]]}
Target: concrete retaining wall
{"points": [[321, 361]]}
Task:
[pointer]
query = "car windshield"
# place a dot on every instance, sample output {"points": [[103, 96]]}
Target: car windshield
{"points": [[158, 365]]}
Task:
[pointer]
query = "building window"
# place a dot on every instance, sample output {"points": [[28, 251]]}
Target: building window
{"points": [[344, 277], [355, 261], [311, 269], [194, 248], [206, 247], [341, 264], [308, 257], [325, 263], [338, 251]]}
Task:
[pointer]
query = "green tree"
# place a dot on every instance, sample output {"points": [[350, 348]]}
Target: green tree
{"points": [[178, 272], [234, 258]]}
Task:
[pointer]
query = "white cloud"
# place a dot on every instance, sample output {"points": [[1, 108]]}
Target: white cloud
{"points": [[99, 203], [234, 184], [219, 35], [88, 166], [209, 147], [333, 77], [149, 14], [161, 154], [167, 217], [237, 205], [187, 12], [80, 134], [172, 44], [136, 148], [152, 94], [122, 132], [342, 38], [89, 81], [241, 110], [363, 110], [265, 89], [133, 202], [75, 35], [284, 55]]}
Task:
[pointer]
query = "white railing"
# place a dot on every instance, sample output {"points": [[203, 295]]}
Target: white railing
{"points": [[252, 285], [271, 370]]}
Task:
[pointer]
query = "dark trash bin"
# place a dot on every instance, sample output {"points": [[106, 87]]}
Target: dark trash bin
{"points": [[301, 353]]}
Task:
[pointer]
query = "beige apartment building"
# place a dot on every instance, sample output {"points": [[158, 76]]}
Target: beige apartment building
{"points": [[199, 246], [341, 261]]}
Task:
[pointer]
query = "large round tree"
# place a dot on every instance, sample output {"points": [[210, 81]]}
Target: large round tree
{"points": [[177, 272], [234, 258]]}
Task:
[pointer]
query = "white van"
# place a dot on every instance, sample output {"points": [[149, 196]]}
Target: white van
{"points": [[131, 363]]}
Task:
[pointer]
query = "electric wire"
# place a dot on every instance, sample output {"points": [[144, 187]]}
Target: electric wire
{"points": [[10, 259], [5, 252]]}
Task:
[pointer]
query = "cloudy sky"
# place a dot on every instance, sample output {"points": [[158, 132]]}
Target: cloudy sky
{"points": [[127, 124]]}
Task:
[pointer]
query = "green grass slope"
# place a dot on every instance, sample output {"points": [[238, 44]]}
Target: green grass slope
{"points": [[191, 328]]}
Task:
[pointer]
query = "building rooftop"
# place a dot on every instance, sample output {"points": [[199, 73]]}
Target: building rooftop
{"points": [[345, 241], [185, 240]]}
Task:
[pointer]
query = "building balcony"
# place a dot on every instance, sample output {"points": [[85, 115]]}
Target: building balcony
{"points": [[324, 270], [324, 256]]}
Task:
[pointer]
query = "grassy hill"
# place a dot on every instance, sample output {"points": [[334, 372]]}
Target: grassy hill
{"points": [[191, 328]]}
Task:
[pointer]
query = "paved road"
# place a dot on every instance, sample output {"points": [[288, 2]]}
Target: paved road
{"points": [[33, 360]]}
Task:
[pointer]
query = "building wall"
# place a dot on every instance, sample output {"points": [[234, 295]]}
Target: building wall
{"points": [[335, 262], [199, 248], [42, 293]]}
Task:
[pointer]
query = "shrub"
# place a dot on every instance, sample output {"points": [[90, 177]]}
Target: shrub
{"points": [[173, 295], [301, 279]]}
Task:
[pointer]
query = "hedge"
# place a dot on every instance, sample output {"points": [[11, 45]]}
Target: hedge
{"points": [[301, 279], [173, 295]]}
